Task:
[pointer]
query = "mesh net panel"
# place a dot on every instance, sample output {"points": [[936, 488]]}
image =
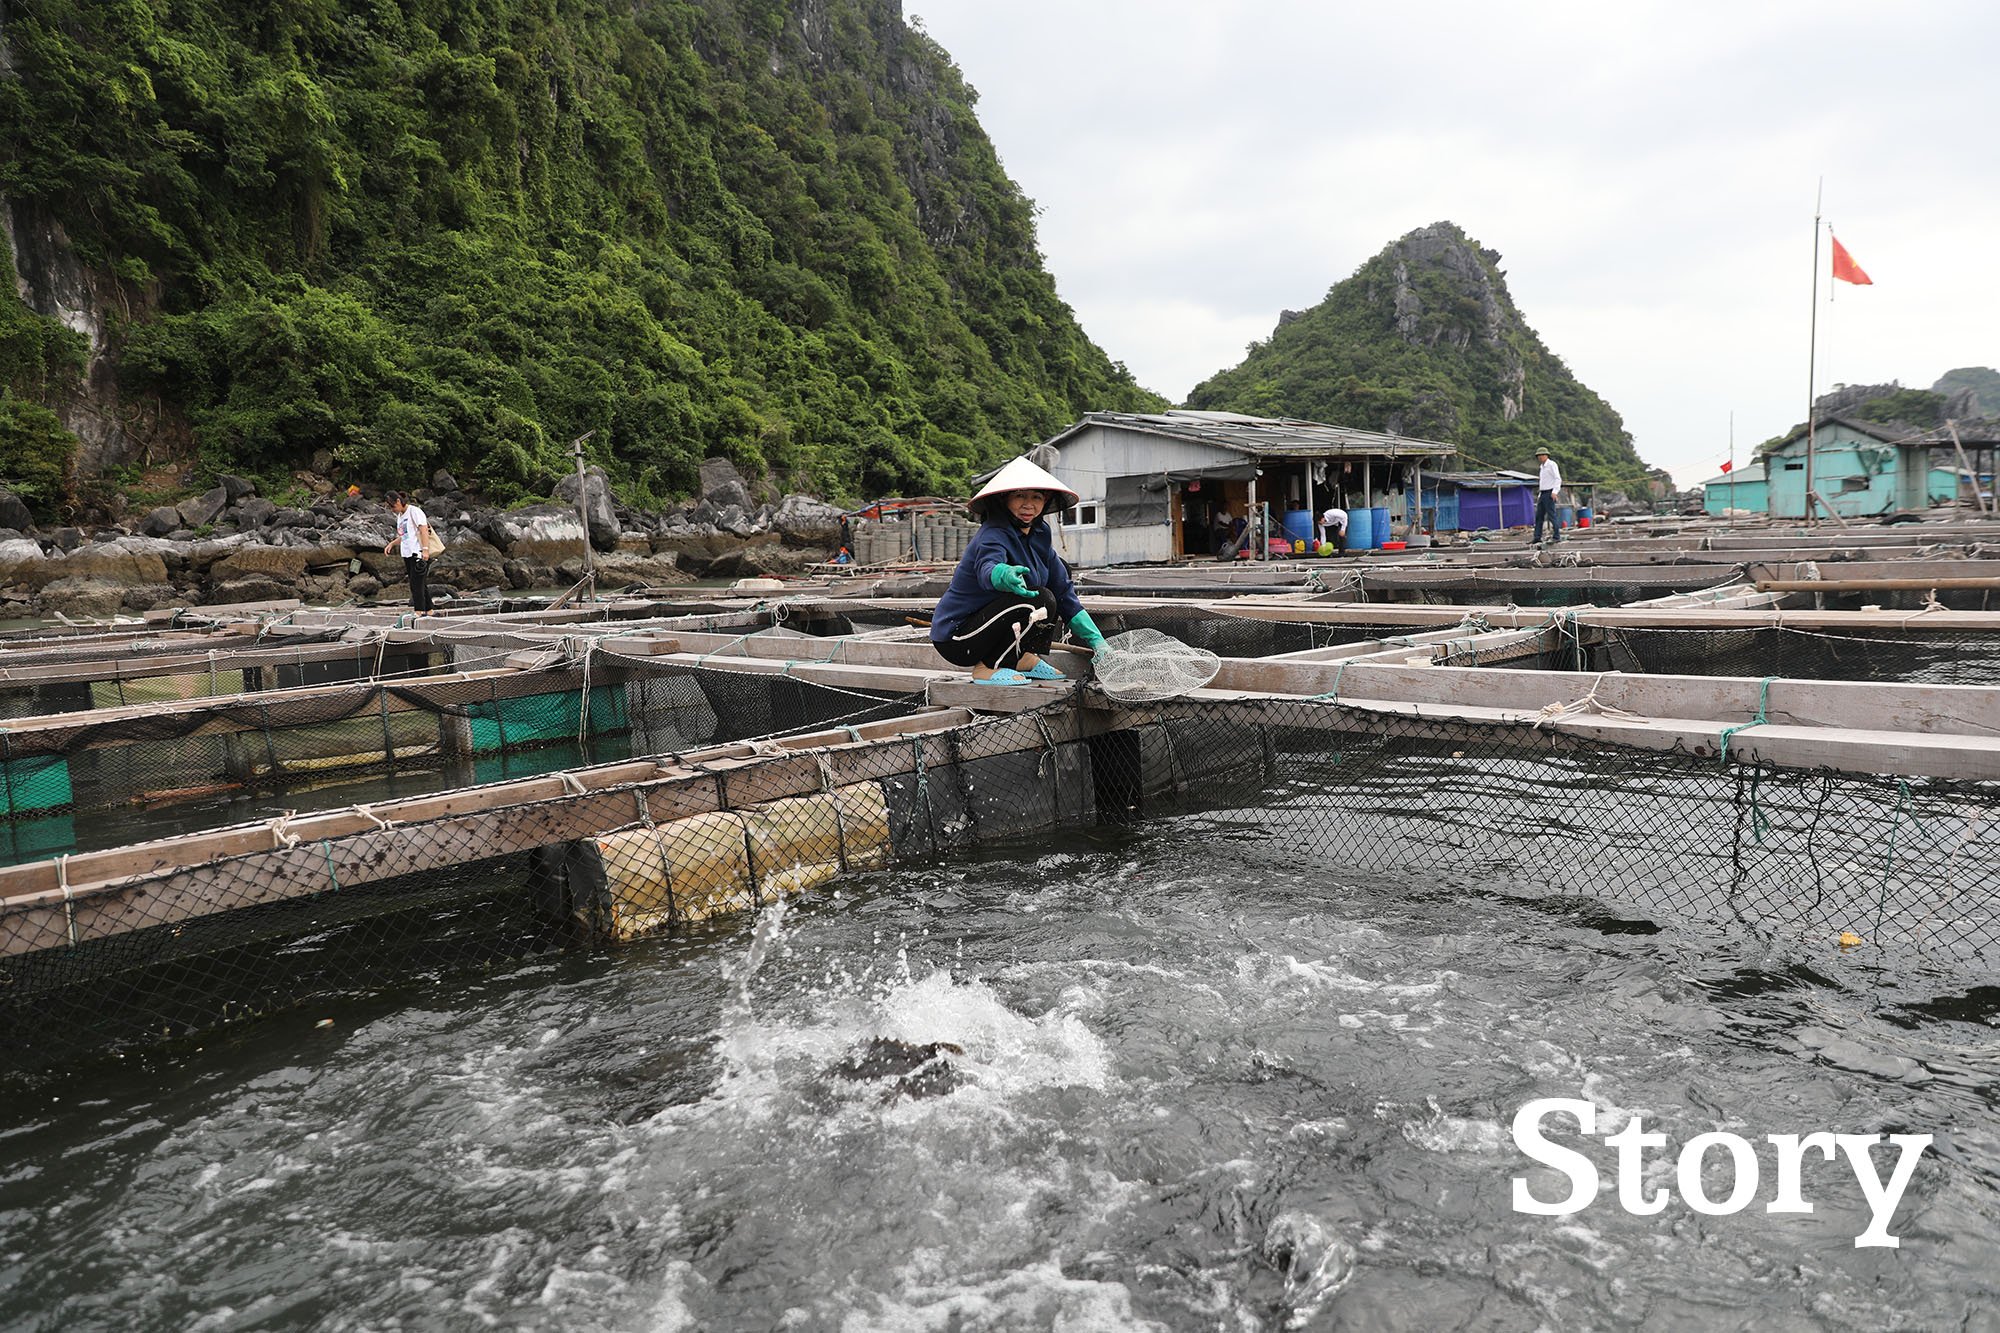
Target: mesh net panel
{"points": [[1915, 657], [161, 767], [1144, 665], [358, 900]]}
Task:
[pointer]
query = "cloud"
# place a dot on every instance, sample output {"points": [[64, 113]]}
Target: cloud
{"points": [[1647, 172]]}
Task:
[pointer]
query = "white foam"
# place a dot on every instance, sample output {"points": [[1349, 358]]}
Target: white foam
{"points": [[1037, 1295], [1458, 1134], [770, 1058]]}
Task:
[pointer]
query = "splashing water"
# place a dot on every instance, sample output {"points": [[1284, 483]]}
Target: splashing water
{"points": [[1177, 1081]]}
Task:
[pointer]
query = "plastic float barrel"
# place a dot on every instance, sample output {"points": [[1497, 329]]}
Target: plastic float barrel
{"points": [[1298, 525], [639, 880], [1360, 529], [1583, 516], [1379, 531]]}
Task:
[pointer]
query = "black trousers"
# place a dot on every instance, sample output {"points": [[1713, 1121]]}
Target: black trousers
{"points": [[1545, 508], [418, 569], [999, 633]]}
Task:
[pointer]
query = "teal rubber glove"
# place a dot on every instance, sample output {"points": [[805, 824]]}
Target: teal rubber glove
{"points": [[1010, 578], [1086, 631]]}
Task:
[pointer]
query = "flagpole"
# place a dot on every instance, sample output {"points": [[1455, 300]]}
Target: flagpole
{"points": [[1812, 352], [1732, 459]]}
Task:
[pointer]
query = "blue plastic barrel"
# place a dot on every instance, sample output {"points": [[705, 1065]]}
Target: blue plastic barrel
{"points": [[1583, 515], [1360, 528], [1299, 525], [1379, 527], [1565, 516]]}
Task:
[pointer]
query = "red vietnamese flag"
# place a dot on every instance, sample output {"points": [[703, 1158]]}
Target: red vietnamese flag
{"points": [[1728, 466], [1844, 266]]}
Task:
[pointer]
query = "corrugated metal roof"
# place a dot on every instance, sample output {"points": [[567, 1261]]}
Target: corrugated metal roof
{"points": [[1482, 480], [1900, 433], [1261, 437]]}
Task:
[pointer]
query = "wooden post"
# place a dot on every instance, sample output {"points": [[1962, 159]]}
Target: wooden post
{"points": [[1312, 505], [1979, 496], [583, 508], [1250, 516]]}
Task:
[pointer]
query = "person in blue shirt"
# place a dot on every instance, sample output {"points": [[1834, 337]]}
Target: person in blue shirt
{"points": [[1010, 588]]}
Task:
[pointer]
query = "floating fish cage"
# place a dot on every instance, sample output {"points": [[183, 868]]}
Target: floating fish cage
{"points": [[259, 917]]}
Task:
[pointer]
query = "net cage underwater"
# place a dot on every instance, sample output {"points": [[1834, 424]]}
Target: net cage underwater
{"points": [[1879, 872], [120, 747]]}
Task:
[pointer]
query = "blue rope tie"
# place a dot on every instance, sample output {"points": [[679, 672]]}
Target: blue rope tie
{"points": [[1333, 693], [1763, 697]]}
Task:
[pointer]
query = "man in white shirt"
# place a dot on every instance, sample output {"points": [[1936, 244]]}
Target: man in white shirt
{"points": [[1545, 500], [1333, 528], [412, 526]]}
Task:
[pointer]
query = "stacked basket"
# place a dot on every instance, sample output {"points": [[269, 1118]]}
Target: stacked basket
{"points": [[941, 536]]}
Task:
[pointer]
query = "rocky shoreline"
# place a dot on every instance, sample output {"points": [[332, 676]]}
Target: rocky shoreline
{"points": [[231, 545]]}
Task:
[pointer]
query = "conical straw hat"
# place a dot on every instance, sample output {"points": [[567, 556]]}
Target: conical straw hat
{"points": [[1021, 475]]}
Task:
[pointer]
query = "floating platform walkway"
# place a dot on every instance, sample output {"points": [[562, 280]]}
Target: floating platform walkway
{"points": [[778, 743]]}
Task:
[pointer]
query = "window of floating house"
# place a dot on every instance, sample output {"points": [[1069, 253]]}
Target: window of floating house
{"points": [[1132, 502]]}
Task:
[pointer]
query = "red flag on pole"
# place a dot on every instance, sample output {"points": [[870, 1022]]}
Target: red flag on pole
{"points": [[1845, 268], [1728, 467]]}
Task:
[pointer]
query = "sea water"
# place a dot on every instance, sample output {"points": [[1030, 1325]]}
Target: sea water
{"points": [[1196, 1085]]}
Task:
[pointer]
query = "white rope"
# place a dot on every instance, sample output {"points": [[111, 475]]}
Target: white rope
{"points": [[281, 834], [573, 783], [1589, 703], [69, 903], [839, 816], [369, 814], [1931, 603], [583, 698]]}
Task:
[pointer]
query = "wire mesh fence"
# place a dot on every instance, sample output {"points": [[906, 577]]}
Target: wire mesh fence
{"points": [[466, 729], [1910, 654], [271, 916]]}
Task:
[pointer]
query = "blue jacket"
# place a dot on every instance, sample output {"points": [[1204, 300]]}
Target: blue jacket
{"points": [[1000, 541]]}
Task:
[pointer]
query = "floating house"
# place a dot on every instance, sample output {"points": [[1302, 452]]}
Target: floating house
{"points": [[1470, 501], [1157, 486], [1743, 489], [1865, 469]]}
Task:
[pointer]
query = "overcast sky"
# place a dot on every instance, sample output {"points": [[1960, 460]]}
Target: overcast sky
{"points": [[1646, 171]]}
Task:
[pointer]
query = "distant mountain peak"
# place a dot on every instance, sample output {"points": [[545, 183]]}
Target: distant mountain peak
{"points": [[1425, 340]]}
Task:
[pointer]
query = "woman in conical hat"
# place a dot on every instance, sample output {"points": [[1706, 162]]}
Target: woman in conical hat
{"points": [[999, 614]]}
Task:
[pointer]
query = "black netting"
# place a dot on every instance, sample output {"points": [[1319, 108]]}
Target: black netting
{"points": [[1237, 636], [160, 766], [1914, 656], [355, 899]]}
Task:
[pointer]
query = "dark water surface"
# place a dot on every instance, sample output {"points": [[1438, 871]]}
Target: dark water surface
{"points": [[1202, 1087]]}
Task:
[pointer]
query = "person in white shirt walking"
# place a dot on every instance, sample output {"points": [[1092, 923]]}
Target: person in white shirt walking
{"points": [[1545, 500], [412, 526]]}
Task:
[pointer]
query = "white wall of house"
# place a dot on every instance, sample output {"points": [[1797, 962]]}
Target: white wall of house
{"points": [[1090, 459]]}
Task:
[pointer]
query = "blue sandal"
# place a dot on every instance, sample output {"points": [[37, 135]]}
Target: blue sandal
{"points": [[1042, 670], [1004, 676]]}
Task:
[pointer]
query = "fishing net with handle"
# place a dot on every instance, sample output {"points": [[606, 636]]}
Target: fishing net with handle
{"points": [[1146, 666]]}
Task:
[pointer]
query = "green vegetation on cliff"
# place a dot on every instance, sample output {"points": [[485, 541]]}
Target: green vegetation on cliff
{"points": [[450, 234], [1424, 340]]}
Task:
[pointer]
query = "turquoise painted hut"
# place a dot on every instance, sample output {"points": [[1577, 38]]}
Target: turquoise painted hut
{"points": [[1861, 469], [1743, 489], [1868, 469]]}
